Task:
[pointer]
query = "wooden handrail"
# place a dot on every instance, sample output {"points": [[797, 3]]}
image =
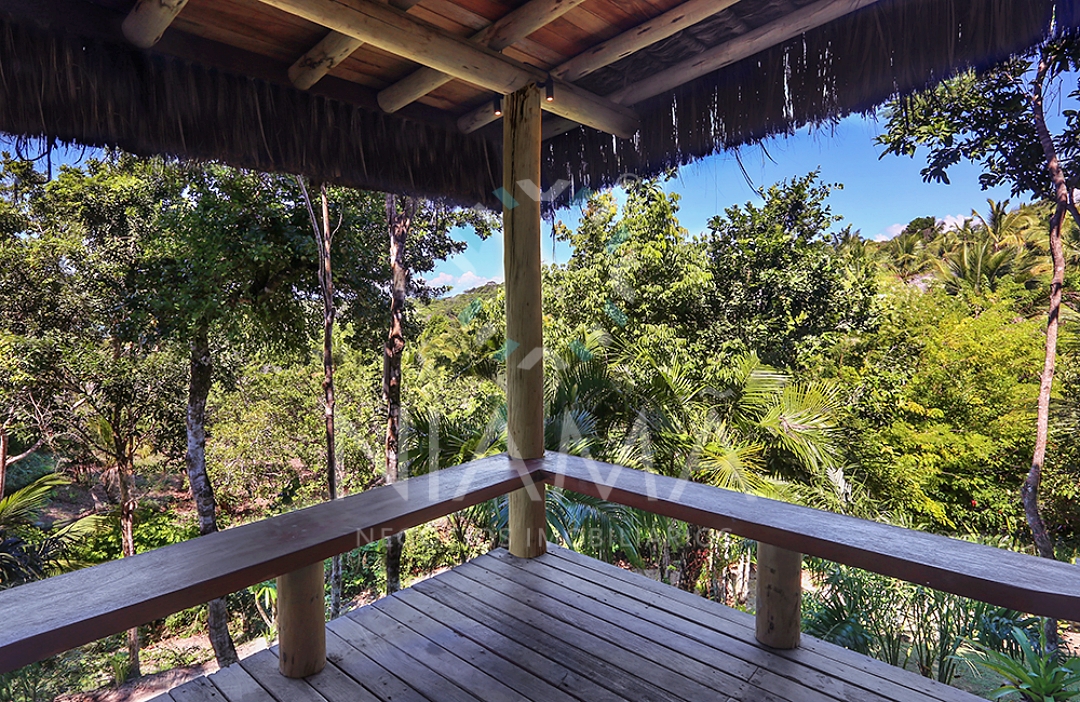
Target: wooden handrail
{"points": [[59, 613], [1005, 578], [47, 617]]}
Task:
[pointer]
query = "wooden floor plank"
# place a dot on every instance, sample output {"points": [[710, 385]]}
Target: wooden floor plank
{"points": [[263, 666], [422, 678], [557, 675], [521, 681], [197, 690], [814, 653], [163, 697], [435, 655], [593, 636], [726, 675], [362, 669], [237, 685], [627, 684], [601, 596], [559, 628]]}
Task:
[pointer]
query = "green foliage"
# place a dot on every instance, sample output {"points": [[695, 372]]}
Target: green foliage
{"points": [[29, 552], [1034, 673], [900, 623], [987, 118], [779, 288]]}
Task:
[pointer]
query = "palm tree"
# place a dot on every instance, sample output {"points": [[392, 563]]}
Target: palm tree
{"points": [[976, 264], [907, 255], [25, 557], [748, 428]]}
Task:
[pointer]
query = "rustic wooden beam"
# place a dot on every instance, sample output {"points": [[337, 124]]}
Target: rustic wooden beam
{"points": [[513, 27], [743, 46], [394, 31], [149, 19], [1015, 580], [301, 606], [334, 48], [644, 35], [787, 27], [610, 51], [779, 597], [524, 312]]}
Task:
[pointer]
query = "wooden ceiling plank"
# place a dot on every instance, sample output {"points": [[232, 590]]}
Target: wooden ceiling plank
{"points": [[334, 48], [787, 27], [394, 31], [149, 19], [646, 34], [514, 26]]}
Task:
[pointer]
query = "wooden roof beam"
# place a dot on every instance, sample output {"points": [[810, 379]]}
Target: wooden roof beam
{"points": [[513, 27], [149, 19], [395, 32], [335, 47], [640, 37], [787, 27], [606, 53]]}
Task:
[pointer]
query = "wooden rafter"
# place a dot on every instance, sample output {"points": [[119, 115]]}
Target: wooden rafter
{"points": [[149, 19], [497, 36], [606, 53], [787, 27], [334, 48], [395, 32], [633, 40]]}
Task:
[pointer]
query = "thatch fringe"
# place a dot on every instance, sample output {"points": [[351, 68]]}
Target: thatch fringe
{"points": [[103, 94], [892, 48]]}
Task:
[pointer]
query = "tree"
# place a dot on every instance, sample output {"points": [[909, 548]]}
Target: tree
{"points": [[324, 239], [998, 120], [779, 288], [399, 220]]}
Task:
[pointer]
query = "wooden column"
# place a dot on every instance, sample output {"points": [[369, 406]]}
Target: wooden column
{"points": [[524, 321], [301, 621], [779, 596]]}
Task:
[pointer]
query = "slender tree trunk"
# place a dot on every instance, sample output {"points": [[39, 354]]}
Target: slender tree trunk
{"points": [[125, 479], [324, 238], [398, 221], [1029, 493], [693, 557], [198, 391], [4, 439]]}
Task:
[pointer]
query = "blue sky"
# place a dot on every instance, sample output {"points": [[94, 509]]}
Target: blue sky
{"points": [[879, 197]]}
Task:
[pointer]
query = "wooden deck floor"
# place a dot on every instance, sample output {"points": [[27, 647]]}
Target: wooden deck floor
{"points": [[556, 629]]}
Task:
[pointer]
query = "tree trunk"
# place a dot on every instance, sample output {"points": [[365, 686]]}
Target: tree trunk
{"points": [[125, 479], [693, 557], [4, 439], [201, 491], [1029, 493], [398, 222], [324, 238]]}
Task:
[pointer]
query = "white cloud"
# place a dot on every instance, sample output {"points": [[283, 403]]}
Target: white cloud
{"points": [[466, 281], [954, 221], [441, 280], [890, 232]]}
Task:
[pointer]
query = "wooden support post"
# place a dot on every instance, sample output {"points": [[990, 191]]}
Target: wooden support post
{"points": [[302, 621], [779, 596], [149, 19], [524, 320]]}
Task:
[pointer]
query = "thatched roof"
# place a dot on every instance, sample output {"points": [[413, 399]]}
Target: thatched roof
{"points": [[215, 86]]}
